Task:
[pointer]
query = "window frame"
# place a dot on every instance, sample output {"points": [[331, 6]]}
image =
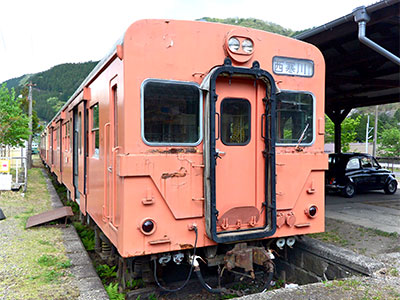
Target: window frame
{"points": [[148, 80], [249, 116], [313, 125], [93, 130]]}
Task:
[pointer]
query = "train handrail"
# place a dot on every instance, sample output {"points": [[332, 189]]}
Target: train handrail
{"points": [[106, 216], [114, 184]]}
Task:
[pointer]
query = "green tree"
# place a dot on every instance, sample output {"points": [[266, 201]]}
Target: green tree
{"points": [[55, 103], [390, 142], [349, 132], [13, 122]]}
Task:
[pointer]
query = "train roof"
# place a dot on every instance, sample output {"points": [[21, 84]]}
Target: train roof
{"points": [[113, 51], [91, 75]]}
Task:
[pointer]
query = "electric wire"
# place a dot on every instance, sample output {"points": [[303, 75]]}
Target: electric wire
{"points": [[190, 272]]}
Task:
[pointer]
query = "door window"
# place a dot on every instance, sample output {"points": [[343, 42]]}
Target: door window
{"points": [[95, 130], [368, 162], [235, 121]]}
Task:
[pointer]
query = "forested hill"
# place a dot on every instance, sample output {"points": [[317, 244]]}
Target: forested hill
{"points": [[53, 87], [256, 24]]}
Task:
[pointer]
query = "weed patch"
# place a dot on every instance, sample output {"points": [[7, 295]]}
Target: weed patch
{"points": [[86, 234], [106, 272], [113, 293]]}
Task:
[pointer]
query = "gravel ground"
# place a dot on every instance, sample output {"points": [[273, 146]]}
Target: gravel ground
{"points": [[43, 262], [33, 262], [384, 284]]}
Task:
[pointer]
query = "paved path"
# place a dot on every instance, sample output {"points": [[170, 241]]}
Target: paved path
{"points": [[372, 210]]}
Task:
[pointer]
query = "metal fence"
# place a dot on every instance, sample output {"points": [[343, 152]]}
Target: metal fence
{"points": [[13, 172], [392, 163]]}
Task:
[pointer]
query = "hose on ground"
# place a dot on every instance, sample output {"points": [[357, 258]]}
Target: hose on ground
{"points": [[204, 284]]}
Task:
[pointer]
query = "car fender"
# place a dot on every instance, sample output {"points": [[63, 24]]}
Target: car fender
{"points": [[390, 178]]}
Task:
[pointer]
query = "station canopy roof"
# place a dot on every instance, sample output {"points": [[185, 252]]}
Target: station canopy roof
{"points": [[357, 75]]}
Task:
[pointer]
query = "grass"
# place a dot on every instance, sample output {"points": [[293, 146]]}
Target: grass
{"points": [[86, 234], [379, 232], [33, 262], [330, 237], [113, 293], [106, 272]]}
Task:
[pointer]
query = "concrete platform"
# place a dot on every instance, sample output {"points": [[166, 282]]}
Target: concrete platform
{"points": [[372, 210], [90, 285]]}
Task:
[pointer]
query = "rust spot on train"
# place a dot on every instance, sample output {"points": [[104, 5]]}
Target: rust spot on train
{"points": [[181, 173], [186, 246], [175, 150]]}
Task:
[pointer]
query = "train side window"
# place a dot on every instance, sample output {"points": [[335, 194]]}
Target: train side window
{"points": [[65, 136], [171, 113], [235, 121], [295, 118], [80, 132], [58, 139], [95, 130], [70, 132]]}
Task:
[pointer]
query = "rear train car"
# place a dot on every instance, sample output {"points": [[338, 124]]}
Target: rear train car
{"points": [[196, 131]]}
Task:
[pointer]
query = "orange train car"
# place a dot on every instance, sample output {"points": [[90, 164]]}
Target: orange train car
{"points": [[196, 131]]}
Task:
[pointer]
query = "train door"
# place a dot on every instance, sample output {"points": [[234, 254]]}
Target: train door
{"points": [[79, 150], [60, 147], [51, 146], [76, 149], [111, 149], [241, 156]]}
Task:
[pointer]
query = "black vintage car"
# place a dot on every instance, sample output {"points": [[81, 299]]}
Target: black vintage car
{"points": [[351, 172]]}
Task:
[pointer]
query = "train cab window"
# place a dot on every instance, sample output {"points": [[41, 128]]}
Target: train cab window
{"points": [[295, 118], [95, 130], [171, 113], [235, 121]]}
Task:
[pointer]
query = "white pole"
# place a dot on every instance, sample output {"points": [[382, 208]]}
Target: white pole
{"points": [[16, 171], [375, 131]]}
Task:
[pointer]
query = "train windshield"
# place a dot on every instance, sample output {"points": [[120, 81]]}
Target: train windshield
{"points": [[295, 118], [171, 113]]}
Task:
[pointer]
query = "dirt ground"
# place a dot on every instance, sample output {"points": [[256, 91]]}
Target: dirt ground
{"points": [[365, 241]]}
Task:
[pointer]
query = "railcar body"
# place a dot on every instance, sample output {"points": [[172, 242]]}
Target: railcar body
{"points": [[193, 124]]}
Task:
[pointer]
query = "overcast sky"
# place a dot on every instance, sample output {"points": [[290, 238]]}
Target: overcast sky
{"points": [[38, 34]]}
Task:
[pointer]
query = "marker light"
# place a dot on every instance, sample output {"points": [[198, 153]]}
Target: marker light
{"points": [[311, 212], [247, 46], [148, 226], [233, 44]]}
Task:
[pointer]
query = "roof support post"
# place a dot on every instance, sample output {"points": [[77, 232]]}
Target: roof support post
{"points": [[338, 137], [337, 117], [361, 17]]}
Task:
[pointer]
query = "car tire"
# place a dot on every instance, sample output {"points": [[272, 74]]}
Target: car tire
{"points": [[349, 190], [390, 187]]}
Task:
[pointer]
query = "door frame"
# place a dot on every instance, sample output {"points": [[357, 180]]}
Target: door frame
{"points": [[211, 212]]}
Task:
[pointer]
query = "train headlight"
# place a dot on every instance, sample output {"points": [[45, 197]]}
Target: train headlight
{"points": [[247, 46], [148, 226], [233, 44]]}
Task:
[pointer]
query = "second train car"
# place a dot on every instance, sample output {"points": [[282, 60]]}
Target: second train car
{"points": [[194, 135]]}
